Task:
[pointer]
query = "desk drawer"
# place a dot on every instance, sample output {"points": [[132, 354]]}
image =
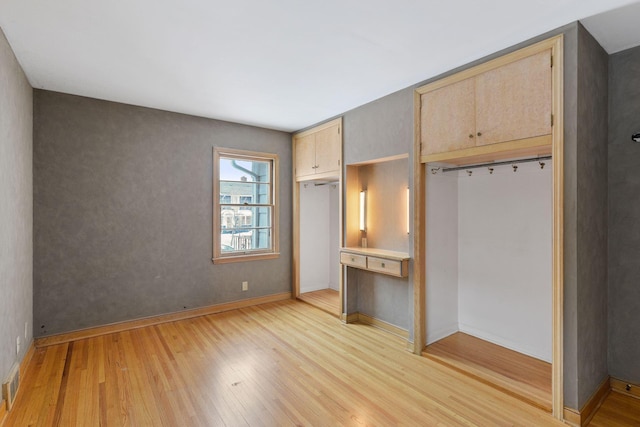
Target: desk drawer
{"points": [[353, 260], [386, 266]]}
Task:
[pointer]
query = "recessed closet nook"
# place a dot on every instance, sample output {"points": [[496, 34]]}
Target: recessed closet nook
{"points": [[490, 151], [317, 187]]}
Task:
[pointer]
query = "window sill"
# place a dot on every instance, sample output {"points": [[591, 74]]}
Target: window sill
{"points": [[243, 258]]}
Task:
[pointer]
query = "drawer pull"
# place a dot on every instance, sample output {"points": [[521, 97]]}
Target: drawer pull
{"points": [[382, 265], [353, 259]]}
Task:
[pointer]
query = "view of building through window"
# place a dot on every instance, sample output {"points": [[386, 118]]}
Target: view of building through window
{"points": [[246, 205]]}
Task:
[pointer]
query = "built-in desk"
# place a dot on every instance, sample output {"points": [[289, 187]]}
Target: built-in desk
{"points": [[376, 260]]}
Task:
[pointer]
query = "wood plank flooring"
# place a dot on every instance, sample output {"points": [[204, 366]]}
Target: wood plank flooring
{"points": [[324, 299], [277, 364], [617, 410], [524, 377]]}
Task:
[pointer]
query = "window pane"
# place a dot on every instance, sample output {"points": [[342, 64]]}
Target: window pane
{"points": [[245, 192], [236, 217], [245, 170], [244, 229]]}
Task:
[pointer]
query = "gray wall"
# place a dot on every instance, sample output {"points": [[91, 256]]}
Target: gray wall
{"points": [[16, 208], [123, 213], [380, 129], [570, 324], [592, 215], [624, 215]]}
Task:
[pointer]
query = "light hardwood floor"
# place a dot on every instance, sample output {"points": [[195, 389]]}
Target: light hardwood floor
{"points": [[522, 376], [324, 299], [277, 364]]}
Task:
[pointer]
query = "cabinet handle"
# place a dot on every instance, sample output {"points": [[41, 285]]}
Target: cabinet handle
{"points": [[479, 133], [470, 135]]}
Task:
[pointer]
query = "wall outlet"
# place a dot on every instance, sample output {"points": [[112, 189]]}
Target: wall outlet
{"points": [[245, 286], [18, 345]]}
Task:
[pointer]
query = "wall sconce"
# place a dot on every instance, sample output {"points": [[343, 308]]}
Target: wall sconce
{"points": [[408, 222], [363, 210]]}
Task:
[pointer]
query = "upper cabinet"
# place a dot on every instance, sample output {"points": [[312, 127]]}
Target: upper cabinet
{"points": [[318, 152], [448, 116], [507, 100], [514, 101]]}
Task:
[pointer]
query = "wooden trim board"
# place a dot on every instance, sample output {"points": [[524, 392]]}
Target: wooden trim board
{"points": [[156, 320], [419, 236], [296, 182], [557, 304], [536, 146], [23, 370], [349, 318], [621, 387], [584, 416]]}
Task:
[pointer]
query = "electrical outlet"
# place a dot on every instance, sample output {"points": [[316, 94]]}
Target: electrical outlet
{"points": [[26, 331], [18, 345], [245, 286]]}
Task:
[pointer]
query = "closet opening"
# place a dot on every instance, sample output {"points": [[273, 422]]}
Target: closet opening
{"points": [[319, 204], [489, 273]]}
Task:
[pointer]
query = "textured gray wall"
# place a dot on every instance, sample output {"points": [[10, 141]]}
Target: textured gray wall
{"points": [[585, 215], [592, 214], [570, 324], [380, 129], [624, 212], [16, 208], [123, 213]]}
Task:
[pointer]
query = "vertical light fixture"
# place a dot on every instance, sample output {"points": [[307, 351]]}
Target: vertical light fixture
{"points": [[408, 222], [363, 210]]}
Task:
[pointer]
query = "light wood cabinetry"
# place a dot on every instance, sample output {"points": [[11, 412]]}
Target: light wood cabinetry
{"points": [[318, 152], [376, 260], [505, 102], [448, 116], [514, 101]]}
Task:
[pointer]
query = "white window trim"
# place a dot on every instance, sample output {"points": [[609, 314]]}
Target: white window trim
{"points": [[274, 252]]}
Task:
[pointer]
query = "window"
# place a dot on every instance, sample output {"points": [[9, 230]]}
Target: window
{"points": [[245, 209]]}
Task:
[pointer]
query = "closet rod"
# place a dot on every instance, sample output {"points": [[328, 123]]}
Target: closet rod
{"points": [[484, 165]]}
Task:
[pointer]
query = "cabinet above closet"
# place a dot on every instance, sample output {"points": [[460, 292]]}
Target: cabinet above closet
{"points": [[504, 105], [318, 152]]}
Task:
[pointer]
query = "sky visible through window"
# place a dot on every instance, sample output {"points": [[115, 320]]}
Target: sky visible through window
{"points": [[229, 173]]}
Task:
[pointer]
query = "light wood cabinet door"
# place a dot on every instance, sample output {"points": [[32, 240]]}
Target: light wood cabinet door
{"points": [[448, 118], [305, 155], [328, 150], [514, 101]]}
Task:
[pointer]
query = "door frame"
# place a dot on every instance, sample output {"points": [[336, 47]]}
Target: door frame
{"points": [[296, 182]]}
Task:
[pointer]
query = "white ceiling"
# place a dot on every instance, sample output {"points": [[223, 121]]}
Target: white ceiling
{"points": [[282, 64]]}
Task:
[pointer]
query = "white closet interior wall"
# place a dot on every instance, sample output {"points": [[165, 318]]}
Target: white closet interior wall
{"points": [[319, 246], [488, 256]]}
